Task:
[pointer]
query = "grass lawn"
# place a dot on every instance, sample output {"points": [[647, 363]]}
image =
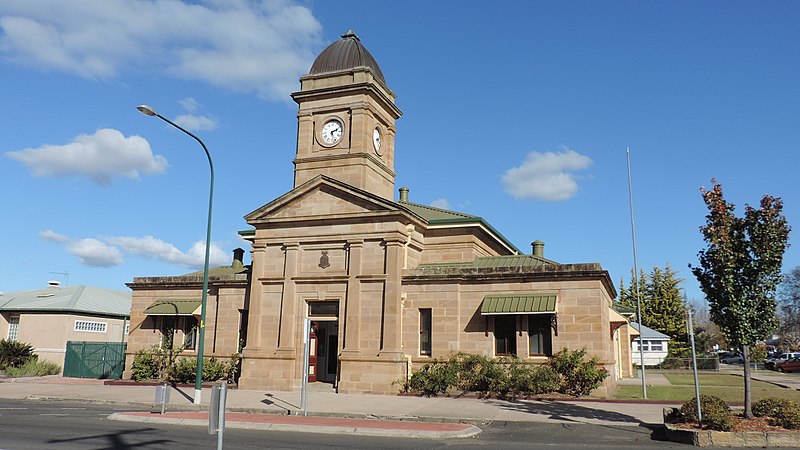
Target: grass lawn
{"points": [[725, 386]]}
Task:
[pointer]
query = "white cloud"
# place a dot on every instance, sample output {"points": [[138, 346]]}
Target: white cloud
{"points": [[441, 203], [189, 104], [154, 248], [196, 123], [94, 253], [99, 156], [546, 176], [259, 46], [105, 251], [52, 236]]}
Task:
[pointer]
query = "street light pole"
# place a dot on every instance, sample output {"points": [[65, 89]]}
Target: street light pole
{"points": [[198, 383]]}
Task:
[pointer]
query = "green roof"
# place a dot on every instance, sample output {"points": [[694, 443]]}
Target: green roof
{"points": [[436, 216], [495, 262], [221, 271], [624, 310], [433, 214], [519, 304], [173, 307], [70, 299]]}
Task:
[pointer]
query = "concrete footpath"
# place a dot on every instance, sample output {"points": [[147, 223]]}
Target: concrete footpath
{"points": [[329, 412]]}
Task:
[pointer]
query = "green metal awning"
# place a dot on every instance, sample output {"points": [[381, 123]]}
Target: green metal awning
{"points": [[174, 307], [519, 304]]}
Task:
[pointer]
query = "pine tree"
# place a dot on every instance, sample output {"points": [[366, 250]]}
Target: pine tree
{"points": [[663, 308]]}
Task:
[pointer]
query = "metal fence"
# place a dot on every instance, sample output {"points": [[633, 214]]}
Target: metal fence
{"points": [[102, 360], [705, 364]]}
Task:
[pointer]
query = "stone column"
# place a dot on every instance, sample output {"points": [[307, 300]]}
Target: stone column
{"points": [[254, 321], [352, 320], [289, 317], [391, 297]]}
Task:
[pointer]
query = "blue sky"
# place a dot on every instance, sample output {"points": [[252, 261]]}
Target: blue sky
{"points": [[519, 112]]}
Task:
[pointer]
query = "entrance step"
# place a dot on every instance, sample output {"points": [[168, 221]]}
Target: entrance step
{"points": [[321, 386]]}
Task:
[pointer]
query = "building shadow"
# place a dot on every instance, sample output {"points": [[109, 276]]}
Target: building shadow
{"points": [[571, 412]]}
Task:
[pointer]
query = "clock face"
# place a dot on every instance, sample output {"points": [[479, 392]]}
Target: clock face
{"points": [[376, 140], [332, 131]]}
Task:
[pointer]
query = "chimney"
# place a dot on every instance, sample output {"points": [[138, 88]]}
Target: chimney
{"points": [[238, 258], [403, 195], [538, 248]]}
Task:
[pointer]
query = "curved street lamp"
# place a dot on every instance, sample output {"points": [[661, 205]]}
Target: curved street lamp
{"points": [[198, 383]]}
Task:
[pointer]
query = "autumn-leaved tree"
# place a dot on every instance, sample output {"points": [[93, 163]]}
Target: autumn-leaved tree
{"points": [[740, 269], [663, 308]]}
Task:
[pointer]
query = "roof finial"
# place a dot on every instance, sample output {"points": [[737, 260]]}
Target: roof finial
{"points": [[350, 33]]}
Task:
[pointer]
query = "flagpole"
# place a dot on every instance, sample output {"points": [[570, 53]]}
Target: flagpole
{"points": [[636, 278]]}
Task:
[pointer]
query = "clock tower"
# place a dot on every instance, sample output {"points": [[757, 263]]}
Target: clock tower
{"points": [[346, 120]]}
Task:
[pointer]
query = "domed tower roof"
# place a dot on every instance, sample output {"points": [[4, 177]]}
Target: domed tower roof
{"points": [[346, 53]]}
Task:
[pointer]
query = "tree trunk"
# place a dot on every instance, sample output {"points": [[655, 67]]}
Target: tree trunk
{"points": [[748, 411]]}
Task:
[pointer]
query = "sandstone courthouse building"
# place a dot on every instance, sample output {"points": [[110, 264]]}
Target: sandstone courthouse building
{"points": [[388, 284]]}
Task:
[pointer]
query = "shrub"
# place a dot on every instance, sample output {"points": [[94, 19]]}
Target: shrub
{"points": [[769, 406], [787, 416], [34, 368], [527, 379], [433, 378], [475, 372], [185, 370], [507, 377], [14, 353], [150, 364], [716, 413], [578, 376]]}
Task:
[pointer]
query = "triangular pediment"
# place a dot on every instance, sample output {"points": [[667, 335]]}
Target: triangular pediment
{"points": [[321, 197]]}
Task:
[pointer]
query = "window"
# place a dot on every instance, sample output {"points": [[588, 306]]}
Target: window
{"points": [[13, 328], [649, 346], [90, 327], [189, 328], [539, 338], [505, 341], [425, 332], [167, 327]]}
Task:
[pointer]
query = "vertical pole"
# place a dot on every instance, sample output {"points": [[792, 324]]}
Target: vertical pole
{"points": [[223, 394], [198, 383], [636, 278], [306, 353], [694, 366]]}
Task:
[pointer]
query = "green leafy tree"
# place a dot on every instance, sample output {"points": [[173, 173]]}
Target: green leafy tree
{"points": [[663, 307], [789, 311], [740, 270]]}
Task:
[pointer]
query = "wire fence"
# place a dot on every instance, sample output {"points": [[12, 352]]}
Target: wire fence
{"points": [[704, 364]]}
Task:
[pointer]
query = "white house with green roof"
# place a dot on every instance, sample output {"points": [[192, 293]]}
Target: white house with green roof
{"points": [[48, 318]]}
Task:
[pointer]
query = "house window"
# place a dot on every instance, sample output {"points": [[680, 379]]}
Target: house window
{"points": [[90, 327], [189, 328], [167, 328], [425, 332], [505, 340], [539, 338], [13, 328], [656, 346]]}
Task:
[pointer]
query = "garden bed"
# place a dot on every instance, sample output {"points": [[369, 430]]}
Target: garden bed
{"points": [[755, 432]]}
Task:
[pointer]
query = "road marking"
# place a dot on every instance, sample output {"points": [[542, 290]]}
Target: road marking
{"points": [[53, 414]]}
